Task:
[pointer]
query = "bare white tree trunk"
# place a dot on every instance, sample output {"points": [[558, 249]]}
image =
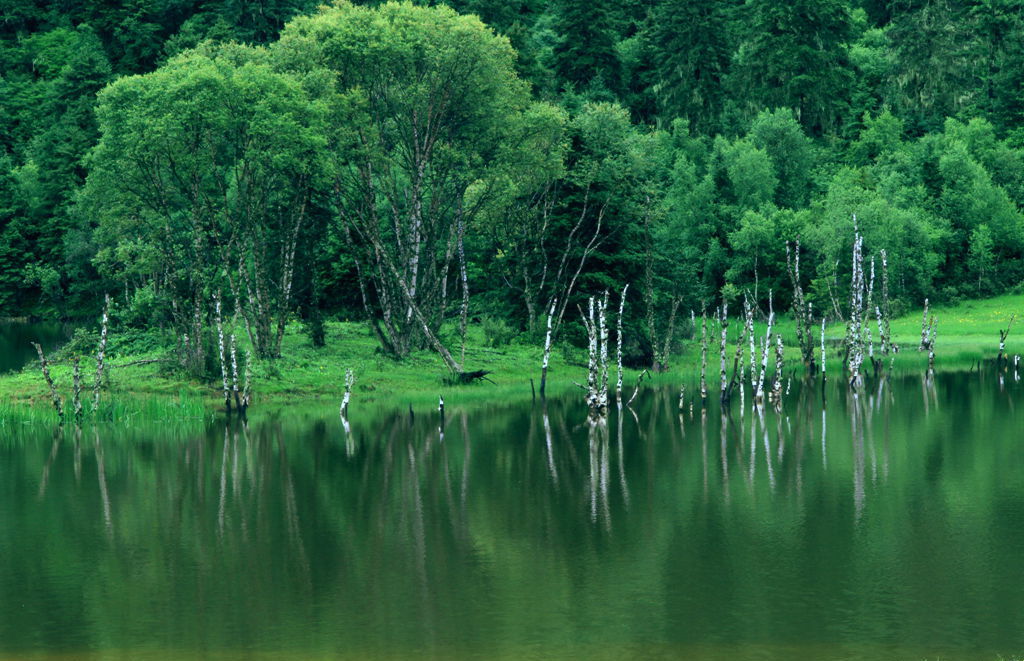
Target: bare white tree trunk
{"points": [[603, 327], [54, 397], [547, 350], [101, 354], [350, 380], [222, 352], [823, 356], [1003, 334], [724, 383], [247, 390], [777, 381], [703, 357], [618, 345], [765, 349], [234, 374], [924, 328]]}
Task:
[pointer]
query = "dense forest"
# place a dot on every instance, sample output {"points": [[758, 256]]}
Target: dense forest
{"points": [[430, 167]]}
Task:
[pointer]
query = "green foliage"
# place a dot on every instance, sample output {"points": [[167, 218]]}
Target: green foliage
{"points": [[167, 151]]}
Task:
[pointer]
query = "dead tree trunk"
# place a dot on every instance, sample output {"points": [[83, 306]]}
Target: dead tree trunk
{"points": [[618, 345], [737, 362], [350, 380], [100, 355], [221, 352], [801, 309], [777, 380], [1003, 334], [703, 357], [234, 373], [54, 397], [724, 383], [886, 314], [823, 356], [854, 352], [924, 328], [547, 351], [765, 348], [597, 351], [247, 389]]}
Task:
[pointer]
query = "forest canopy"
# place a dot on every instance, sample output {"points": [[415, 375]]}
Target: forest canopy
{"points": [[427, 166]]}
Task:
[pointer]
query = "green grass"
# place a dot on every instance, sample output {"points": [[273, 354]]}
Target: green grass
{"points": [[966, 333]]}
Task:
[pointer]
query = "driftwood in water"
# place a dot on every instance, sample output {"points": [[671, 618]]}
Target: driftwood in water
{"points": [[57, 404]]}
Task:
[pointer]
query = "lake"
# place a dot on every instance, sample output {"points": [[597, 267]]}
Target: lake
{"points": [[16, 339], [886, 526]]}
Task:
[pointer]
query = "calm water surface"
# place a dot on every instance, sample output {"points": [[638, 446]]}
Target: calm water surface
{"points": [[886, 527], [16, 341]]}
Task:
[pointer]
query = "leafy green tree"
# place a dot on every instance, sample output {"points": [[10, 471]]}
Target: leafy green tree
{"points": [[690, 51], [911, 236], [425, 105], [794, 54], [791, 154], [585, 56], [751, 177], [201, 180], [936, 72], [981, 258]]}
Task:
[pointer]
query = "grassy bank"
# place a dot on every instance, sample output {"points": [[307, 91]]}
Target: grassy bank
{"points": [[967, 333]]}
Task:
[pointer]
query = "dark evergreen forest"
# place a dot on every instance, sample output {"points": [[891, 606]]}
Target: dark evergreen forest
{"points": [[425, 168]]}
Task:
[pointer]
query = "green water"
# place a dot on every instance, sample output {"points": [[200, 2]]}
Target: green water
{"points": [[887, 527], [16, 341]]}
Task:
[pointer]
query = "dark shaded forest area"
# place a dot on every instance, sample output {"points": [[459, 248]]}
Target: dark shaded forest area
{"points": [[424, 169]]}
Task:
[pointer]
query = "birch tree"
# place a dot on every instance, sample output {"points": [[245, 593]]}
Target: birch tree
{"points": [[201, 179], [427, 112]]}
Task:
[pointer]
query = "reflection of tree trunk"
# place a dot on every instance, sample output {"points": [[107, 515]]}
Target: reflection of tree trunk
{"points": [[223, 483], [101, 475], [44, 480]]}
